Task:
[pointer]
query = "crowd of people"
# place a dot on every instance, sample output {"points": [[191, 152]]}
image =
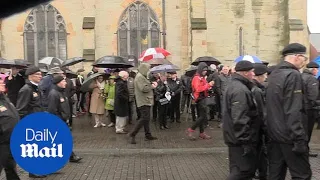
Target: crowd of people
{"points": [[267, 121]]}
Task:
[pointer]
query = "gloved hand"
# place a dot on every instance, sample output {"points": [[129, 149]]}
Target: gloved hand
{"points": [[248, 149], [300, 147]]}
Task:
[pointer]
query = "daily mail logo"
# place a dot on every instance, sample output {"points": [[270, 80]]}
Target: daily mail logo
{"points": [[41, 143]]}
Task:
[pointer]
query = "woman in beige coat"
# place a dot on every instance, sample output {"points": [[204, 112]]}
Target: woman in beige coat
{"points": [[97, 101]]}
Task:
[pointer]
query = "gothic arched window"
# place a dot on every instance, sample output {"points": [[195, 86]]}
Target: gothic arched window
{"points": [[45, 34], [138, 30]]}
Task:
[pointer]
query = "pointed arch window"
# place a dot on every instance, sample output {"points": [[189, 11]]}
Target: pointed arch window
{"points": [[138, 30], [44, 34], [241, 46]]}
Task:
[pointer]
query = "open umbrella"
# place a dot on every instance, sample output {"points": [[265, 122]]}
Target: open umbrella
{"points": [[164, 68], [252, 59], [71, 74], [7, 64], [157, 62], [72, 61], [191, 70], [206, 59], [111, 62], [152, 53], [86, 84], [22, 62], [51, 61]]}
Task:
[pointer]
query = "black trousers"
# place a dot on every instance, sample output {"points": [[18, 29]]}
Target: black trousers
{"points": [[262, 160], [155, 111], [112, 116], [144, 121], [194, 111], [175, 108], [131, 108], [185, 101], [281, 157], [71, 112], [162, 114], [7, 162], [81, 100], [202, 116], [312, 116], [241, 167]]}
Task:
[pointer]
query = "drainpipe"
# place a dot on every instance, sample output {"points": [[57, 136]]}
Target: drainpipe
{"points": [[164, 26]]}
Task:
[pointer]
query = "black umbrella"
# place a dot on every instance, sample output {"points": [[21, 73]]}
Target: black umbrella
{"points": [[72, 61], [7, 64], [86, 84], [22, 62], [207, 59], [157, 62], [191, 70], [112, 62], [71, 74], [133, 60], [265, 63]]}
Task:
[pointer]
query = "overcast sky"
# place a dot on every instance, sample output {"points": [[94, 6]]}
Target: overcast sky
{"points": [[313, 16]]}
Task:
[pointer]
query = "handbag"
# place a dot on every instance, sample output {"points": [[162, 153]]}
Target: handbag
{"points": [[209, 101], [163, 101]]}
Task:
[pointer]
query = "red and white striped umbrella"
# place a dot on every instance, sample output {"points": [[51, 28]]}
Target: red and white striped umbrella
{"points": [[152, 53]]}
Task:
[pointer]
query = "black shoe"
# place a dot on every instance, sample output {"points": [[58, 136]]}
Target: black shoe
{"points": [[162, 128], [132, 139], [36, 176], [166, 127], [75, 159], [150, 138], [311, 154], [178, 121], [172, 120]]}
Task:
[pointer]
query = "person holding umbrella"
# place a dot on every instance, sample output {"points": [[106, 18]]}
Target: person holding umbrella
{"points": [[97, 101]]}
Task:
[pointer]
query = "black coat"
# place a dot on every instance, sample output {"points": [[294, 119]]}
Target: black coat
{"points": [[9, 117], [186, 84], [70, 89], [286, 118], [259, 95], [311, 90], [239, 113], [175, 87], [59, 103], [161, 90], [121, 100], [14, 85], [29, 100]]}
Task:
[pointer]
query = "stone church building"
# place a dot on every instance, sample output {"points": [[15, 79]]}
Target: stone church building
{"points": [[188, 29]]}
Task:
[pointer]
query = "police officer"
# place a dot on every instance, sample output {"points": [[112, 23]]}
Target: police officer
{"points": [[286, 117], [59, 105], [311, 93], [9, 117], [29, 97], [259, 94], [239, 114], [175, 86]]}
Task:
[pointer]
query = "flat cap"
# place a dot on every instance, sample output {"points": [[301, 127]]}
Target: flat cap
{"points": [[244, 66], [312, 64], [260, 69], [32, 70], [294, 48], [57, 79]]}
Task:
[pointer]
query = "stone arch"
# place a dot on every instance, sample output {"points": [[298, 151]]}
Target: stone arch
{"points": [[44, 34], [138, 29]]}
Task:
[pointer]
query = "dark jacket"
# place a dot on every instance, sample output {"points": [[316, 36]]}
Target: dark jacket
{"points": [[161, 90], [59, 103], [121, 100], [131, 89], [13, 86], [175, 87], [224, 81], [239, 113], [70, 89], [186, 84], [9, 117], [311, 90], [45, 87], [286, 121], [259, 95], [29, 100], [216, 89]]}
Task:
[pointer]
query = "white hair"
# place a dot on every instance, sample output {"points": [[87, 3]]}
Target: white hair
{"points": [[123, 73]]}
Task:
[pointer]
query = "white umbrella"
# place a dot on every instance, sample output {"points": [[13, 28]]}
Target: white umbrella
{"points": [[51, 61]]}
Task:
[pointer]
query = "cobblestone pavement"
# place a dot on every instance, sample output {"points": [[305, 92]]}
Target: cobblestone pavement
{"points": [[109, 156]]}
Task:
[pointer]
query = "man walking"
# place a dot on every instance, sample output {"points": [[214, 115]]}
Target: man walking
{"points": [[143, 89], [59, 105], [29, 98], [9, 117], [311, 92], [286, 117], [239, 113]]}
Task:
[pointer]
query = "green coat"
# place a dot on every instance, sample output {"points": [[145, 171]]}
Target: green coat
{"points": [[109, 90]]}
